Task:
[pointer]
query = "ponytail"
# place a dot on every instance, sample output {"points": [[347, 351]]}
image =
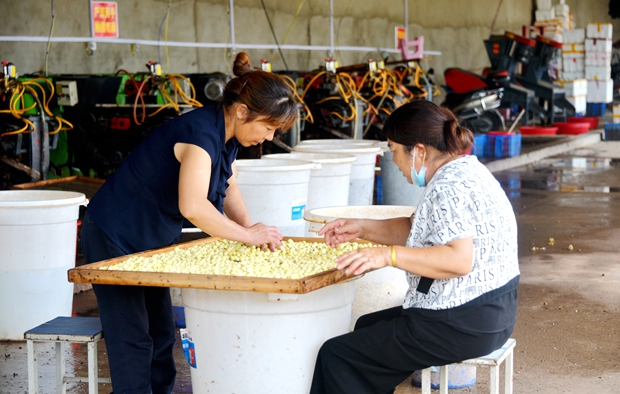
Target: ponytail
{"points": [[265, 94], [457, 138], [422, 121]]}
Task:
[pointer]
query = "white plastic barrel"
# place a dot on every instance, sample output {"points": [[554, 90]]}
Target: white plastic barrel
{"points": [[380, 289], [362, 179], [395, 187], [38, 234], [276, 192], [329, 180], [339, 141], [249, 342]]}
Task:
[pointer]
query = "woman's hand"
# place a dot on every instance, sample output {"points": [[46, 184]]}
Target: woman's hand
{"points": [[341, 230], [363, 260], [266, 236]]}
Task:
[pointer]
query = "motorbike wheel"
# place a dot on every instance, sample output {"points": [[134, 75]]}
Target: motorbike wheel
{"points": [[483, 123]]}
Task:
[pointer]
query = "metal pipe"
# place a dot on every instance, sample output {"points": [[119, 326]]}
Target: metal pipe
{"points": [[90, 19], [406, 20], [331, 26], [181, 44], [231, 22]]}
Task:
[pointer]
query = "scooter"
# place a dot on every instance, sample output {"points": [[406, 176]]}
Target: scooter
{"points": [[475, 99]]}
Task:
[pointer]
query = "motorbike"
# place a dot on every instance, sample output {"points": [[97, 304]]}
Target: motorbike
{"points": [[475, 99]]}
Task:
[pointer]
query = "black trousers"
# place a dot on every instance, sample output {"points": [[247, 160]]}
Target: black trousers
{"points": [[386, 347], [138, 325]]}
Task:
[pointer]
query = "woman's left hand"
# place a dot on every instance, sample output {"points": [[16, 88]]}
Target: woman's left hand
{"points": [[363, 260]]}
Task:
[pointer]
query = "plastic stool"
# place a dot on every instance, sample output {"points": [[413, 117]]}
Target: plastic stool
{"points": [[62, 330], [493, 360]]}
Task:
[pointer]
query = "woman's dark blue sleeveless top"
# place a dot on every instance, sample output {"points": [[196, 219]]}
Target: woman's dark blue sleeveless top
{"points": [[138, 206]]}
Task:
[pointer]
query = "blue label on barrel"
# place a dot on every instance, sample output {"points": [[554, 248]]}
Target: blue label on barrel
{"points": [[297, 210], [188, 347]]}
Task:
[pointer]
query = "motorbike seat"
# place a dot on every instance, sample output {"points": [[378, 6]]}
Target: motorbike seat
{"points": [[461, 81]]}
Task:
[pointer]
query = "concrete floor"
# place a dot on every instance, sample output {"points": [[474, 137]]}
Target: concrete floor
{"points": [[567, 329]]}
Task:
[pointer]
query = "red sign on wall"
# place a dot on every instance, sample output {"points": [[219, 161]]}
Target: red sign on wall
{"points": [[105, 19], [400, 33]]}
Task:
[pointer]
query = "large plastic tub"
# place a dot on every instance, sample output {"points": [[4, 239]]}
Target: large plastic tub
{"points": [[592, 120], [380, 289], [395, 187], [362, 179], [342, 141], [248, 342], [572, 128], [276, 192], [329, 180], [38, 233], [538, 130]]}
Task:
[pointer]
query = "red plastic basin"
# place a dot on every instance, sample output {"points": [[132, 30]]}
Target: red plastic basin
{"points": [[592, 120], [538, 130], [572, 127]]}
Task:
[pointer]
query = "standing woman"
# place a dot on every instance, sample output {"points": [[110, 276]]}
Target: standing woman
{"points": [[183, 169], [459, 253]]}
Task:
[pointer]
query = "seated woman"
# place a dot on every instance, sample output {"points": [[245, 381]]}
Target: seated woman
{"points": [[459, 253]]}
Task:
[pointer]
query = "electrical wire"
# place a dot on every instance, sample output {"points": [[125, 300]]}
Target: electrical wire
{"points": [[299, 5], [164, 20], [273, 32], [49, 38], [495, 17], [293, 87], [140, 98], [18, 110]]}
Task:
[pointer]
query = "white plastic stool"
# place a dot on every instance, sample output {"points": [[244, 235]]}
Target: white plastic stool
{"points": [[493, 360], [62, 330]]}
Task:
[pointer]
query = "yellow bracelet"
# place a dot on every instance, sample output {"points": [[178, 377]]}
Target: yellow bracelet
{"points": [[393, 257]]}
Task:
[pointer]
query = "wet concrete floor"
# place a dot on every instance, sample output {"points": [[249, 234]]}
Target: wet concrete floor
{"points": [[572, 199]]}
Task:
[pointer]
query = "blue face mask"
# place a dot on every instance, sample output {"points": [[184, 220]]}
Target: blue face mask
{"points": [[418, 177]]}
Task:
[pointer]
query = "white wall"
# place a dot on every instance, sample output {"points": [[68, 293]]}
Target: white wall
{"points": [[454, 27]]}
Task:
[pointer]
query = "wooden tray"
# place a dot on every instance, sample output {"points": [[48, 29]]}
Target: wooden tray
{"points": [[91, 273]]}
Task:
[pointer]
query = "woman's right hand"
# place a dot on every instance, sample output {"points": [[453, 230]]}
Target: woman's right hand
{"points": [[341, 230], [265, 236]]}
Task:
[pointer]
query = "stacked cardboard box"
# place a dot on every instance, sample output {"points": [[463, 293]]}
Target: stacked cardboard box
{"points": [[562, 13], [598, 47], [576, 92], [551, 22], [573, 55], [616, 113]]}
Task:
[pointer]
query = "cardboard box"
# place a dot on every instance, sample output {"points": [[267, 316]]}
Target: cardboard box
{"points": [[551, 23], [577, 47], [598, 59], [561, 9], [543, 4], [577, 87], [573, 62], [601, 91], [579, 102], [598, 74], [599, 30], [543, 15], [574, 36], [573, 75], [598, 45], [616, 113]]}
